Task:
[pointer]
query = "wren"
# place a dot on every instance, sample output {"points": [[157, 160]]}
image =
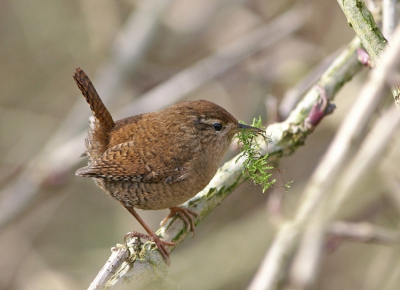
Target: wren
{"points": [[156, 160]]}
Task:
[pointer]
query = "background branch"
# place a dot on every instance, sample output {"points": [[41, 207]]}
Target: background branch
{"points": [[389, 18], [363, 232]]}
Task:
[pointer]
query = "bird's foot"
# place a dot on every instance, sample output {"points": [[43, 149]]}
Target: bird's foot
{"points": [[187, 215], [161, 245]]}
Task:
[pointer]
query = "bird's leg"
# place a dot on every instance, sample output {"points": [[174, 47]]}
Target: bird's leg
{"points": [[187, 215], [161, 245]]}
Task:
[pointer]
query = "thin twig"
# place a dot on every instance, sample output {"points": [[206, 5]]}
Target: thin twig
{"points": [[363, 232]]}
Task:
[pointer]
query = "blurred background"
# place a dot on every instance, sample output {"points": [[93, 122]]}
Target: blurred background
{"points": [[57, 229]]}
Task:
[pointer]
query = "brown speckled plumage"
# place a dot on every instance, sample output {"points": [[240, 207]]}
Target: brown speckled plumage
{"points": [[155, 160]]}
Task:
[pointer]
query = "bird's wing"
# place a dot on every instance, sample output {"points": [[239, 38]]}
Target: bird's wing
{"points": [[126, 161]]}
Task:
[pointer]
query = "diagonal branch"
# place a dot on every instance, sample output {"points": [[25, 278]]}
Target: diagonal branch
{"points": [[286, 137]]}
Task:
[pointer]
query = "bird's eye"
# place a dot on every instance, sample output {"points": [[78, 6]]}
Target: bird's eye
{"points": [[217, 126]]}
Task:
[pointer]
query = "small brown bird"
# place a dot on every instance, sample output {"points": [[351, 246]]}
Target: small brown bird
{"points": [[156, 160]]}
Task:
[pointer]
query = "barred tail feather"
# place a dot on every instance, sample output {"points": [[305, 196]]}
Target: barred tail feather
{"points": [[101, 123], [97, 106]]}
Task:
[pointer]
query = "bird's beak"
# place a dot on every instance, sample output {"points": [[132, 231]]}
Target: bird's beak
{"points": [[247, 127]]}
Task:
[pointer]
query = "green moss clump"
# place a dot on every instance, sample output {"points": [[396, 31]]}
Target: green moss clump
{"points": [[255, 166]]}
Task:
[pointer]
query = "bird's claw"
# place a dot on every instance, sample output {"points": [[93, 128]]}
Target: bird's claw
{"points": [[186, 214]]}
